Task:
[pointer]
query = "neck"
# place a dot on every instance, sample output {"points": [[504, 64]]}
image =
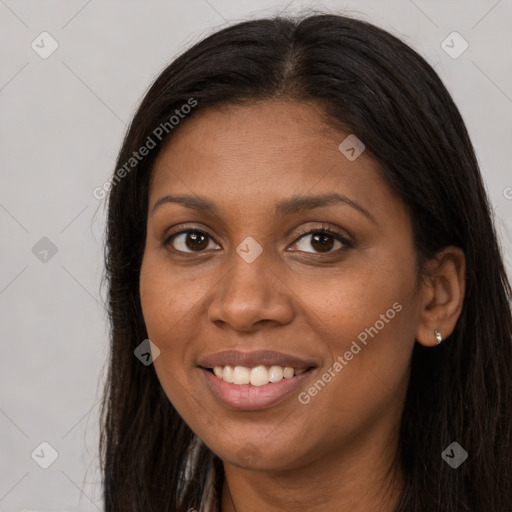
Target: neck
{"points": [[359, 478]]}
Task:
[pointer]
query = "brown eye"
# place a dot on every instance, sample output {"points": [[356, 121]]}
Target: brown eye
{"points": [[322, 241], [189, 241]]}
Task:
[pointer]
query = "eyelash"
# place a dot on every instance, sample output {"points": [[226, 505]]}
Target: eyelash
{"points": [[324, 229]]}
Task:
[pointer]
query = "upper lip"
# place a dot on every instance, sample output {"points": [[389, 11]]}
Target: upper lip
{"points": [[254, 358]]}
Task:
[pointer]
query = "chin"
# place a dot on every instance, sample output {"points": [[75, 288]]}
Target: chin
{"points": [[258, 455]]}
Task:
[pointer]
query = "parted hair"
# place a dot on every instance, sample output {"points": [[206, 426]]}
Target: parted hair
{"points": [[368, 81]]}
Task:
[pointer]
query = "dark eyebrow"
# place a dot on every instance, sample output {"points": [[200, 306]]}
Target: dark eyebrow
{"points": [[289, 206], [300, 203]]}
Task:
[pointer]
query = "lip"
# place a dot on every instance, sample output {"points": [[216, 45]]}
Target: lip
{"points": [[255, 358], [245, 397]]}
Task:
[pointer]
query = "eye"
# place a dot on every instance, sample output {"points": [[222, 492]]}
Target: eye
{"points": [[323, 240], [191, 240]]}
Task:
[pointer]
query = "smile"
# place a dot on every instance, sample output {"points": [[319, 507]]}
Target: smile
{"points": [[255, 380], [257, 376]]}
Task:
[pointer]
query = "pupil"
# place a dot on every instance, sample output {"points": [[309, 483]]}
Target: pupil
{"points": [[197, 243], [321, 240]]}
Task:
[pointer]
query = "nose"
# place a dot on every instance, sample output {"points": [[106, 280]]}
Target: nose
{"points": [[251, 294]]}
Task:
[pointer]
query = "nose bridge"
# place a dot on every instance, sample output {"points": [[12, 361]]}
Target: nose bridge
{"points": [[247, 280], [248, 292]]}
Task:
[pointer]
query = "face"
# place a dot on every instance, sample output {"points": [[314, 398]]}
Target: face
{"points": [[282, 293]]}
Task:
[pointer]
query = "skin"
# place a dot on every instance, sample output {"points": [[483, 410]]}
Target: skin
{"points": [[337, 451]]}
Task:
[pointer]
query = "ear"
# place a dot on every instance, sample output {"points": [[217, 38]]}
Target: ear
{"points": [[442, 292]]}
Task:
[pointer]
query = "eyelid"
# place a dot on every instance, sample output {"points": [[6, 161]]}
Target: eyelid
{"points": [[169, 234], [325, 228], [183, 227]]}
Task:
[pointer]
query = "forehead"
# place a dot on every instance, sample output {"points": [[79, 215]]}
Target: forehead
{"points": [[252, 133], [256, 152]]}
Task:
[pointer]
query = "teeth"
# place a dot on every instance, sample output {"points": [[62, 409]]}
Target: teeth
{"points": [[241, 375], [275, 374], [288, 372], [257, 376], [227, 373]]}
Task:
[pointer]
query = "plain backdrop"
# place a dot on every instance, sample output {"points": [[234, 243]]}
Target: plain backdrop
{"points": [[62, 119]]}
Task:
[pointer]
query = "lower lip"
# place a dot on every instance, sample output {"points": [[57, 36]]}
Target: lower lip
{"points": [[245, 397]]}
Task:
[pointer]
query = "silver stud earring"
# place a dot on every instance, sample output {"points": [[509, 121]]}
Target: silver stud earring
{"points": [[438, 335]]}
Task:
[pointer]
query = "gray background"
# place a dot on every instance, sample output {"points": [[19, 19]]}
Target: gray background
{"points": [[61, 124]]}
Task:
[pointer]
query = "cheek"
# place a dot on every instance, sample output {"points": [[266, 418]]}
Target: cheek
{"points": [[168, 308], [172, 303], [368, 317], [371, 292], [167, 300]]}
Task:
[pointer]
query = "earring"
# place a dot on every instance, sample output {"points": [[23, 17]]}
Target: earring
{"points": [[438, 335]]}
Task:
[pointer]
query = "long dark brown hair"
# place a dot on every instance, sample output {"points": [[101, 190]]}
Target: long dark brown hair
{"points": [[370, 82]]}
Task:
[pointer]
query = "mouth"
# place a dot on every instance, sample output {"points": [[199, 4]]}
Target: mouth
{"points": [[249, 381]]}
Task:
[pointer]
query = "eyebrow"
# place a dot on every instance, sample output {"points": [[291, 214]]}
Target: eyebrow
{"points": [[294, 204]]}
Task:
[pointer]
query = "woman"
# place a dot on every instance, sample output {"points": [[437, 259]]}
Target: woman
{"points": [[298, 223]]}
